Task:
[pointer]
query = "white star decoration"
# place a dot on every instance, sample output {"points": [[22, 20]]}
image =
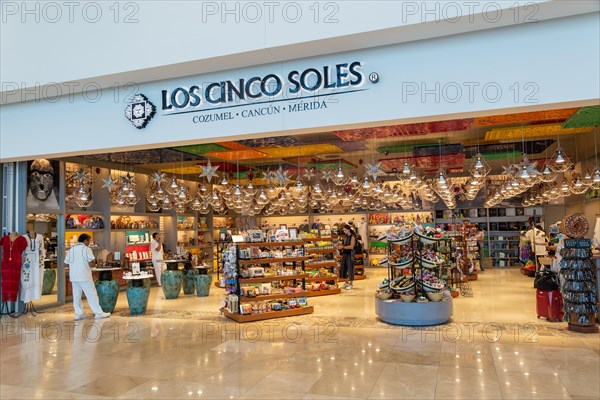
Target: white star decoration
{"points": [[282, 176], [158, 177], [327, 175], [268, 175], [209, 172], [81, 175], [109, 183], [309, 173], [128, 179], [374, 169]]}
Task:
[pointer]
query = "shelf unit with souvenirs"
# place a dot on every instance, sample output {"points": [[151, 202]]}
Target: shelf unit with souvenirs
{"points": [[321, 268], [223, 226], [133, 232], [269, 281]]}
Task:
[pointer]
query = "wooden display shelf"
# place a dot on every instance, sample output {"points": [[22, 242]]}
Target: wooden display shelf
{"points": [[269, 244], [359, 255], [272, 278], [320, 239], [315, 293], [269, 315], [472, 277], [320, 279], [273, 296], [134, 229], [271, 260], [83, 230], [321, 265], [359, 267], [317, 251]]}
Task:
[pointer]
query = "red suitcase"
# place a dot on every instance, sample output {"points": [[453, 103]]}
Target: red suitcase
{"points": [[549, 304]]}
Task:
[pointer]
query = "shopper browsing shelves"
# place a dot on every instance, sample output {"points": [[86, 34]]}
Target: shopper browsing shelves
{"points": [[79, 258], [347, 252], [156, 246]]}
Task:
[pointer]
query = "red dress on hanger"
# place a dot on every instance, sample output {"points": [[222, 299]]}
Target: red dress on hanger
{"points": [[11, 266]]}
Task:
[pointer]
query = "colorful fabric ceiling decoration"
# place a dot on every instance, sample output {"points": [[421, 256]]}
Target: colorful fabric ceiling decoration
{"points": [[550, 115], [185, 170], [429, 162], [280, 141], [200, 149], [584, 117], [153, 156], [331, 164], [515, 132], [422, 151], [531, 147], [404, 130], [235, 155], [299, 151]]}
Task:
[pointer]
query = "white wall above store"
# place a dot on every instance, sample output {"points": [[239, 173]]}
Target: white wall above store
{"points": [[106, 44]]}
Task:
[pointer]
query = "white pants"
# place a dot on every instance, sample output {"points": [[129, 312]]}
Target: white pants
{"points": [[159, 267], [91, 295]]}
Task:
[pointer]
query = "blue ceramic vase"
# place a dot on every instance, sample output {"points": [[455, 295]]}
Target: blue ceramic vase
{"points": [[49, 280], [189, 281], [203, 284], [108, 292], [137, 297], [171, 283]]}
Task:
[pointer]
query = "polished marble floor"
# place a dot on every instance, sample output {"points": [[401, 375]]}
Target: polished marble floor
{"points": [[494, 347]]}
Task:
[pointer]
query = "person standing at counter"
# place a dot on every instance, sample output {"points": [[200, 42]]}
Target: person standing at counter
{"points": [[79, 258], [156, 246]]}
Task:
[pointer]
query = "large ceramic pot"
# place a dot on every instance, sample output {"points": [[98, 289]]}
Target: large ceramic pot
{"points": [[189, 281], [49, 280], [108, 292], [203, 283], [171, 283], [137, 297]]}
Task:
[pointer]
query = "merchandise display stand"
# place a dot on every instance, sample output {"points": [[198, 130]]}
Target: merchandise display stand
{"points": [[579, 288], [251, 297], [414, 264], [324, 250]]}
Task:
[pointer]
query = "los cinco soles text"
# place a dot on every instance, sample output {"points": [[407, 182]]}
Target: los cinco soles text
{"points": [[295, 84]]}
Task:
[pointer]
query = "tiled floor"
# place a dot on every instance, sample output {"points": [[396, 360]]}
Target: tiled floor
{"points": [[495, 347]]}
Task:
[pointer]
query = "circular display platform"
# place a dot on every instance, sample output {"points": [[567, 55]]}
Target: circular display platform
{"points": [[414, 314]]}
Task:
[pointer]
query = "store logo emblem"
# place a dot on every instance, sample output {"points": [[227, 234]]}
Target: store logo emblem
{"points": [[140, 111]]}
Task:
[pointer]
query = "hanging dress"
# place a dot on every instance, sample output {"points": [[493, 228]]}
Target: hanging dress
{"points": [[11, 266], [32, 274]]}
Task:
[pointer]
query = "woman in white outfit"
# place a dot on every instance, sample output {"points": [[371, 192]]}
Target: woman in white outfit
{"points": [[79, 258], [156, 246], [32, 273]]}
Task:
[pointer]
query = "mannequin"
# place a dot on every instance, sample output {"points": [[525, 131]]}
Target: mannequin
{"points": [[362, 229], [32, 275], [12, 249]]}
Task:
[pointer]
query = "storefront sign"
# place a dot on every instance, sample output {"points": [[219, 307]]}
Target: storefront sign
{"points": [[296, 91]]}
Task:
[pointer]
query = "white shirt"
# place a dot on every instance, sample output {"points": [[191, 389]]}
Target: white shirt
{"points": [[79, 257], [537, 237], [156, 254]]}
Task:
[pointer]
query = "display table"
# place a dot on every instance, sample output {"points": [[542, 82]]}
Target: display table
{"points": [[107, 288], [172, 278], [138, 292], [414, 314]]}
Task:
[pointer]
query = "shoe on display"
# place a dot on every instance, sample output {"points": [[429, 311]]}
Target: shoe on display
{"points": [[79, 317], [103, 315]]}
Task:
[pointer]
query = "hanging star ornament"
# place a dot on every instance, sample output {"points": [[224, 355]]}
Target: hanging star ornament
{"points": [[109, 183], [81, 175], [128, 179], [374, 169], [268, 175], [209, 172], [327, 175], [309, 173], [158, 177], [282, 176]]}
